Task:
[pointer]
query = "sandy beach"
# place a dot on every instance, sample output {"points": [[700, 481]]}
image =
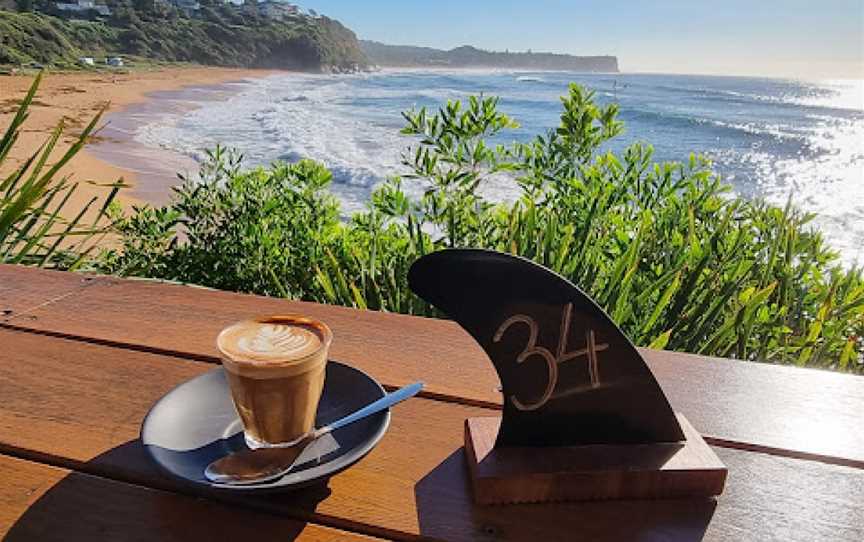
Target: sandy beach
{"points": [[74, 98]]}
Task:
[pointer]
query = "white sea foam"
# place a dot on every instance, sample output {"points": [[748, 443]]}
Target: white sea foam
{"points": [[291, 117]]}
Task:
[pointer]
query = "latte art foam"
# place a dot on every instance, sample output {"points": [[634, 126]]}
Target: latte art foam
{"points": [[276, 340], [279, 339]]}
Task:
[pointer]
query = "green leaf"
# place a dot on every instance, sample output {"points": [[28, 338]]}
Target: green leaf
{"points": [[847, 354], [661, 341]]}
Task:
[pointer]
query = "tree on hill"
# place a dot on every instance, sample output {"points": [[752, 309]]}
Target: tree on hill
{"points": [[144, 6], [29, 5]]}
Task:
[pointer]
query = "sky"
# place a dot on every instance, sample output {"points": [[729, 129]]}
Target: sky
{"points": [[790, 38]]}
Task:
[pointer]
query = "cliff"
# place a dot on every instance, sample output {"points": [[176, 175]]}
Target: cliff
{"points": [[223, 37], [471, 57]]}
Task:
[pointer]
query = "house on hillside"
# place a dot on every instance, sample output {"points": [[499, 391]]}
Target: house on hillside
{"points": [[186, 6], [84, 5], [277, 10]]}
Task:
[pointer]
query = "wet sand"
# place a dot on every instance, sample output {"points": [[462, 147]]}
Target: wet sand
{"points": [[155, 169], [75, 98]]}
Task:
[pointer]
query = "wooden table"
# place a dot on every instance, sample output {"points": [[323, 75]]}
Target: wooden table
{"points": [[83, 358]]}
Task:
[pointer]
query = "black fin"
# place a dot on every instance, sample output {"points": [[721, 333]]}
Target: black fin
{"points": [[604, 392]]}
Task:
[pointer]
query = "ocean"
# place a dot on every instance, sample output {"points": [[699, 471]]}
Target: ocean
{"points": [[769, 138]]}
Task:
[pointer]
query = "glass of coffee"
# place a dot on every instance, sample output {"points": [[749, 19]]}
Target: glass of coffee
{"points": [[275, 368]]}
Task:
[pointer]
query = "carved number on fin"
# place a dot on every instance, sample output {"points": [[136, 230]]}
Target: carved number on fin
{"points": [[552, 361]]}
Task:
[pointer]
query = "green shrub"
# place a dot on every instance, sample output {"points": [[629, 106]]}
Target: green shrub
{"points": [[672, 256], [256, 231]]}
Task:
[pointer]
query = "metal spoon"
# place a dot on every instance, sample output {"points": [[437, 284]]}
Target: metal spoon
{"points": [[265, 464]]}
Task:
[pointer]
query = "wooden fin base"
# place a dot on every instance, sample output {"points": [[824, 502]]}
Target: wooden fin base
{"points": [[596, 472]]}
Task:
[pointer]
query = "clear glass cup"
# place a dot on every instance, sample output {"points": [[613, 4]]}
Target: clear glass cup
{"points": [[275, 367]]}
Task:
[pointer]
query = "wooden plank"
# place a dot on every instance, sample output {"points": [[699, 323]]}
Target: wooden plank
{"points": [[186, 320], [79, 404], [585, 473], [801, 413], [40, 502], [796, 412], [23, 290]]}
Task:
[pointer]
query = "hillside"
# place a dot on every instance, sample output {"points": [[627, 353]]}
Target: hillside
{"points": [[471, 57], [220, 36]]}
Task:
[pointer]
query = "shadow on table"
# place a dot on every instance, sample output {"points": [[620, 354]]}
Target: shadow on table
{"points": [[98, 507], [445, 510]]}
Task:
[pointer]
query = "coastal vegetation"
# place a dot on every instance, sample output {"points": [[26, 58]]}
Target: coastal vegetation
{"points": [[219, 34], [676, 259]]}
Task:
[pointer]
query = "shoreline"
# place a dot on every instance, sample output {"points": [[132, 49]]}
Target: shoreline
{"points": [[156, 168], [76, 97]]}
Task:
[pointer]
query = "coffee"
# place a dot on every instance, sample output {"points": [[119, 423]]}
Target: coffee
{"points": [[275, 368]]}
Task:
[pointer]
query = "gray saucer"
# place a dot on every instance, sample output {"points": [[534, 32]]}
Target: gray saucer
{"points": [[196, 423]]}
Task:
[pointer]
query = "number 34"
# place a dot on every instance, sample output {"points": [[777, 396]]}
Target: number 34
{"points": [[552, 360]]}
